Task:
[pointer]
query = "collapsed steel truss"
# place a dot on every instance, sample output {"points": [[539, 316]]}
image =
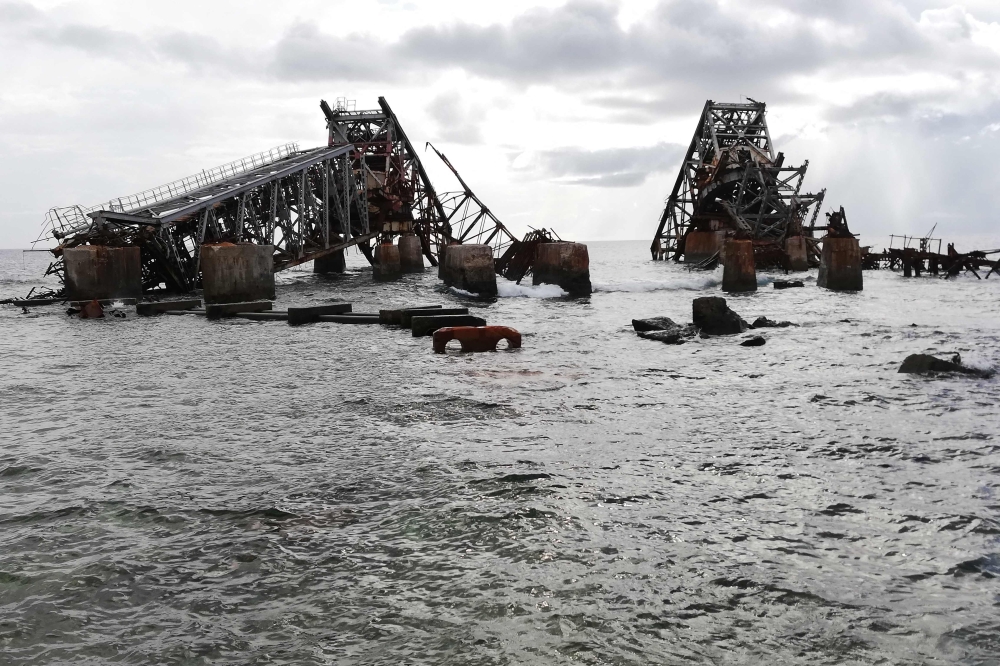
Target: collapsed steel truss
{"points": [[366, 186], [731, 179]]}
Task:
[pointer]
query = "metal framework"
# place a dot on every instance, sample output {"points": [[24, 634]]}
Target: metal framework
{"points": [[732, 179], [366, 186]]}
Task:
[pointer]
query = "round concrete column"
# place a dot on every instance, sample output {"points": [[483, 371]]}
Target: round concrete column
{"points": [[411, 257], [470, 268], [564, 264], [798, 257], [840, 266], [331, 263], [101, 272], [739, 273], [386, 263]]}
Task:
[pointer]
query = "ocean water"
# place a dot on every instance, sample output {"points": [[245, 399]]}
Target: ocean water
{"points": [[180, 491]]}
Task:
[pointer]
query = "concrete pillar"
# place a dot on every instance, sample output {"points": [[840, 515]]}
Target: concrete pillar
{"points": [[470, 268], [411, 255], [441, 261], [386, 263], [101, 272], [739, 273], [700, 245], [798, 256], [237, 273], [840, 267], [331, 263], [564, 264]]}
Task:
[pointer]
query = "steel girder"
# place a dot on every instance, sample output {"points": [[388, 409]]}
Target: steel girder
{"points": [[731, 178]]}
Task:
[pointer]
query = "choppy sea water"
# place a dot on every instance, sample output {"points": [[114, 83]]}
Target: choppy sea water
{"points": [[179, 491]]}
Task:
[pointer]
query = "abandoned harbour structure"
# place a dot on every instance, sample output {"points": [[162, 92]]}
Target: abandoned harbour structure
{"points": [[367, 188]]}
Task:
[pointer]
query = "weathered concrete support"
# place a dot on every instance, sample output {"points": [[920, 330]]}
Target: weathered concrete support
{"points": [[471, 268], [421, 326], [701, 245], [797, 251], [564, 264], [411, 257], [101, 272], [237, 273], [739, 273], [331, 263], [840, 265], [386, 263]]}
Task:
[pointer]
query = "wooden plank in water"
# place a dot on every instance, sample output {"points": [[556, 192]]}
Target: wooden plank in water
{"points": [[407, 317], [422, 326], [358, 318]]}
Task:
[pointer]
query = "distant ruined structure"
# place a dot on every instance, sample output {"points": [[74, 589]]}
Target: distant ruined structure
{"points": [[732, 184]]}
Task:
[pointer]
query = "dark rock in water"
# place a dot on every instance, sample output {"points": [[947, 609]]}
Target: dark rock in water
{"points": [[919, 364], [755, 341], [787, 284], [654, 324], [764, 322], [677, 335], [713, 317]]}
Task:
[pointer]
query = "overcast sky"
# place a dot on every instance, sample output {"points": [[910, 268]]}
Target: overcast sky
{"points": [[569, 115]]}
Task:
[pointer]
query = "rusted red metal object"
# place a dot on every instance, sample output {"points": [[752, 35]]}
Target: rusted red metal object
{"points": [[92, 310], [476, 338]]}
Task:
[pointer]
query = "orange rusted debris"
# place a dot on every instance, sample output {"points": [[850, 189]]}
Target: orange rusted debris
{"points": [[476, 338], [92, 310]]}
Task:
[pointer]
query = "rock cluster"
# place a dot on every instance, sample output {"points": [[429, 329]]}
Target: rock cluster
{"points": [[711, 317]]}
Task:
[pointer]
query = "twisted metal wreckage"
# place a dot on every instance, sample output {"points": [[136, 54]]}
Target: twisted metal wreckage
{"points": [[365, 187], [732, 183]]}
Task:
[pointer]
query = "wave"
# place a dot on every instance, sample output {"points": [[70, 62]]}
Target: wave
{"points": [[514, 290], [694, 283]]}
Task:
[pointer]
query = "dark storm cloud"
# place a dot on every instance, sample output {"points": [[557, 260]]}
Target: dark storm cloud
{"points": [[612, 167]]}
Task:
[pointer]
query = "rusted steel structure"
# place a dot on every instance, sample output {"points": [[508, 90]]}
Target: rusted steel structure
{"points": [[732, 183], [365, 187], [926, 257]]}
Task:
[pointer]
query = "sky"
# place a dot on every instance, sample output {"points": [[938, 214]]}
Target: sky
{"points": [[572, 116]]}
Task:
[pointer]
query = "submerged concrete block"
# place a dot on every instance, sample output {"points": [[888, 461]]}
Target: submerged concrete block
{"points": [[331, 263], [701, 245], [219, 310], [421, 326], [739, 273], [840, 265], [470, 268], [411, 255], [101, 272], [797, 251], [564, 264], [237, 273], [395, 317], [309, 314], [150, 309], [386, 263]]}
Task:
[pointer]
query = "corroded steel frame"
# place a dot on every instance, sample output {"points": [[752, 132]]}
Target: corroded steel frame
{"points": [[732, 178]]}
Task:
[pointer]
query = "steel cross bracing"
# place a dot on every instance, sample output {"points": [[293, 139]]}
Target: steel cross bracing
{"points": [[731, 178], [468, 218], [299, 204]]}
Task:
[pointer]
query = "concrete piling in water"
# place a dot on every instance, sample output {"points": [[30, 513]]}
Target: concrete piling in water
{"points": [[386, 263], [237, 273], [411, 257], [702, 245], [101, 272], [797, 251], [563, 264], [739, 273], [331, 263], [840, 265], [470, 268]]}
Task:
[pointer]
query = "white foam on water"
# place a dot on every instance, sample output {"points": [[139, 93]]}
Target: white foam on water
{"points": [[462, 292], [506, 289], [685, 284]]}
